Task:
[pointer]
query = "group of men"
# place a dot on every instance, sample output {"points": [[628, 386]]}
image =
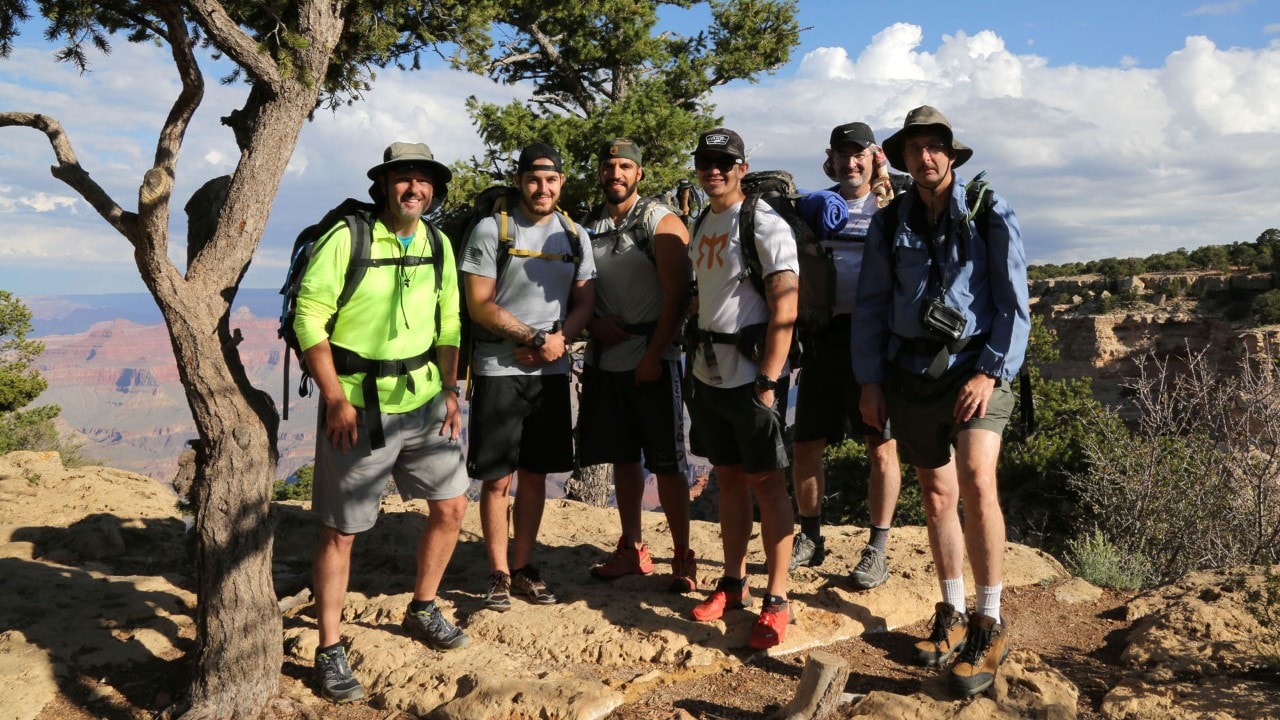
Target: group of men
{"points": [[533, 281]]}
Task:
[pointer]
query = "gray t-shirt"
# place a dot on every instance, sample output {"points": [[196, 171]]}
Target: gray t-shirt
{"points": [[627, 285], [534, 290]]}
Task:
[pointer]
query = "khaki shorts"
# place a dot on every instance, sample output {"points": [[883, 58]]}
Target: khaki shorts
{"points": [[347, 489], [922, 412]]}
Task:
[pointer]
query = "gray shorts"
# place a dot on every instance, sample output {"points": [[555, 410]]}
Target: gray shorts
{"points": [[922, 412], [347, 489]]}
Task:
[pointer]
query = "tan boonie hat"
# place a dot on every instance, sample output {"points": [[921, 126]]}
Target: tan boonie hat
{"points": [[406, 155], [921, 119]]}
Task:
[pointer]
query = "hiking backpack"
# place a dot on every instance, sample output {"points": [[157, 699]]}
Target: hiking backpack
{"points": [[496, 201], [359, 219], [817, 277], [634, 226]]}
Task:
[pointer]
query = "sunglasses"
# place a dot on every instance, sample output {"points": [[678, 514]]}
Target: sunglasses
{"points": [[723, 164]]}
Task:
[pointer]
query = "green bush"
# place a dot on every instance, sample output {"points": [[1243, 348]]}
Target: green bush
{"points": [[299, 489], [1266, 308], [1095, 559], [1263, 603]]}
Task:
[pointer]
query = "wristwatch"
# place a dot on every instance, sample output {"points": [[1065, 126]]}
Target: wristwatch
{"points": [[538, 340], [764, 382]]}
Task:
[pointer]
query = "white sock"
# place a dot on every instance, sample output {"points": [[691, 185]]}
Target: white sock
{"points": [[989, 600], [953, 593]]}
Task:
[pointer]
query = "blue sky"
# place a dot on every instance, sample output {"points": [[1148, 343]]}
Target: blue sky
{"points": [[1114, 128]]}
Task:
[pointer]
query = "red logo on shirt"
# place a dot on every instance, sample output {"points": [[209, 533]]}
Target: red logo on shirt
{"points": [[711, 250]]}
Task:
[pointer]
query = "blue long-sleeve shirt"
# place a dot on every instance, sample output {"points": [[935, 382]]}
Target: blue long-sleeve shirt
{"points": [[986, 279]]}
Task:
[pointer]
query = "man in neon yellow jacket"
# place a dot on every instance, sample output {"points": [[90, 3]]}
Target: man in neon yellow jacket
{"points": [[387, 377]]}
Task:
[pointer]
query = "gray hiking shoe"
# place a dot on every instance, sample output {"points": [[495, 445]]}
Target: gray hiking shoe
{"points": [[432, 629], [872, 570], [498, 597], [334, 677], [528, 582], [807, 551]]}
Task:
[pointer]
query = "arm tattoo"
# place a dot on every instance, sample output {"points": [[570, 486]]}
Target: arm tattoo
{"points": [[515, 331], [779, 284]]}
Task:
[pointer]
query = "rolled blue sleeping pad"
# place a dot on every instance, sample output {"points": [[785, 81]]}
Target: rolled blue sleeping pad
{"points": [[824, 211]]}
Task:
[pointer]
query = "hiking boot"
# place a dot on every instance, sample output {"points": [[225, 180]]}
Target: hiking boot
{"points": [[872, 570], [946, 639], [807, 551], [730, 594], [684, 572], [498, 596], [431, 628], [528, 582], [987, 647], [771, 627], [334, 677], [625, 560]]}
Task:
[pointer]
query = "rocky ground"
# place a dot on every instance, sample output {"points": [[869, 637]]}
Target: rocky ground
{"points": [[95, 621]]}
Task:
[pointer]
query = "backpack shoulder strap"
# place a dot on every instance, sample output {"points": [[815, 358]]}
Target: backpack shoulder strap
{"points": [[360, 226], [979, 200], [436, 243], [753, 269]]}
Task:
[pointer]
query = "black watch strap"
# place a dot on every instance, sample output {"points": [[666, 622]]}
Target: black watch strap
{"points": [[764, 382]]}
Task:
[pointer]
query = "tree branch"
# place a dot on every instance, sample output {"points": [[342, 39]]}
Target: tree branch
{"points": [[230, 39], [68, 170], [580, 93]]}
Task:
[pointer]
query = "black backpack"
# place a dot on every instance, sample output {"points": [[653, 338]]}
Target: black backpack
{"points": [[817, 291], [495, 201], [359, 218]]}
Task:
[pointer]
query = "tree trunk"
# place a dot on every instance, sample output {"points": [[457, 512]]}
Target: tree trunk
{"points": [[591, 484]]}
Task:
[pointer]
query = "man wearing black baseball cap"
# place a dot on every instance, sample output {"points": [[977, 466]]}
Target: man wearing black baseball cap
{"points": [[940, 331], [630, 407], [731, 393], [828, 374], [530, 289]]}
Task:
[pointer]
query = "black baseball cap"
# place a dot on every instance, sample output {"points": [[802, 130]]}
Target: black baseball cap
{"points": [[855, 132], [530, 156], [723, 141]]}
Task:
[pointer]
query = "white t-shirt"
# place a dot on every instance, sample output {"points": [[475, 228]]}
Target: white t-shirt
{"points": [[846, 249], [727, 301]]}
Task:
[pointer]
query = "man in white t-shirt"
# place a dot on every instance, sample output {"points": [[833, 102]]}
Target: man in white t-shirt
{"points": [[731, 396], [828, 375]]}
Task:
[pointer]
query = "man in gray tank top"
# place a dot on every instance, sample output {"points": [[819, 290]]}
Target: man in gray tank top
{"points": [[630, 406]]}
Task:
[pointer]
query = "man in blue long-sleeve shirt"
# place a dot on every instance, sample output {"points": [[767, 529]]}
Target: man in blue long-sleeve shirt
{"points": [[939, 331]]}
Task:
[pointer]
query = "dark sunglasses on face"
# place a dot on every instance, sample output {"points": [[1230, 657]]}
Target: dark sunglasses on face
{"points": [[723, 164]]}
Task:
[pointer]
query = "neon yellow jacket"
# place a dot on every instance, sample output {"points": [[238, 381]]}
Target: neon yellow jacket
{"points": [[391, 315]]}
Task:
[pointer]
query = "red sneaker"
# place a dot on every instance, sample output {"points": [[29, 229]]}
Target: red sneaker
{"points": [[684, 572], [730, 594], [771, 627], [625, 560]]}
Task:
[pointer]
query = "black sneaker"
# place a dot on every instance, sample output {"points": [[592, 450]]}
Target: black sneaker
{"points": [[872, 570], [807, 551], [334, 677], [498, 596], [431, 628], [528, 582]]}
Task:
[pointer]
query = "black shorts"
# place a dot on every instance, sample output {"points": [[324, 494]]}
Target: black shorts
{"points": [[827, 395], [519, 421], [729, 426], [619, 420]]}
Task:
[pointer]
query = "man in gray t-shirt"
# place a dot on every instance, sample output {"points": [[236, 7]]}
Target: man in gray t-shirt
{"points": [[630, 408], [530, 286]]}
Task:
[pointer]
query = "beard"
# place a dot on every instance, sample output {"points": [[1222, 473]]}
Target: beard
{"points": [[615, 195]]}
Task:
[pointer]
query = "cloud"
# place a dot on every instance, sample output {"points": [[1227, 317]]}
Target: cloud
{"points": [[1097, 161], [1225, 8]]}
